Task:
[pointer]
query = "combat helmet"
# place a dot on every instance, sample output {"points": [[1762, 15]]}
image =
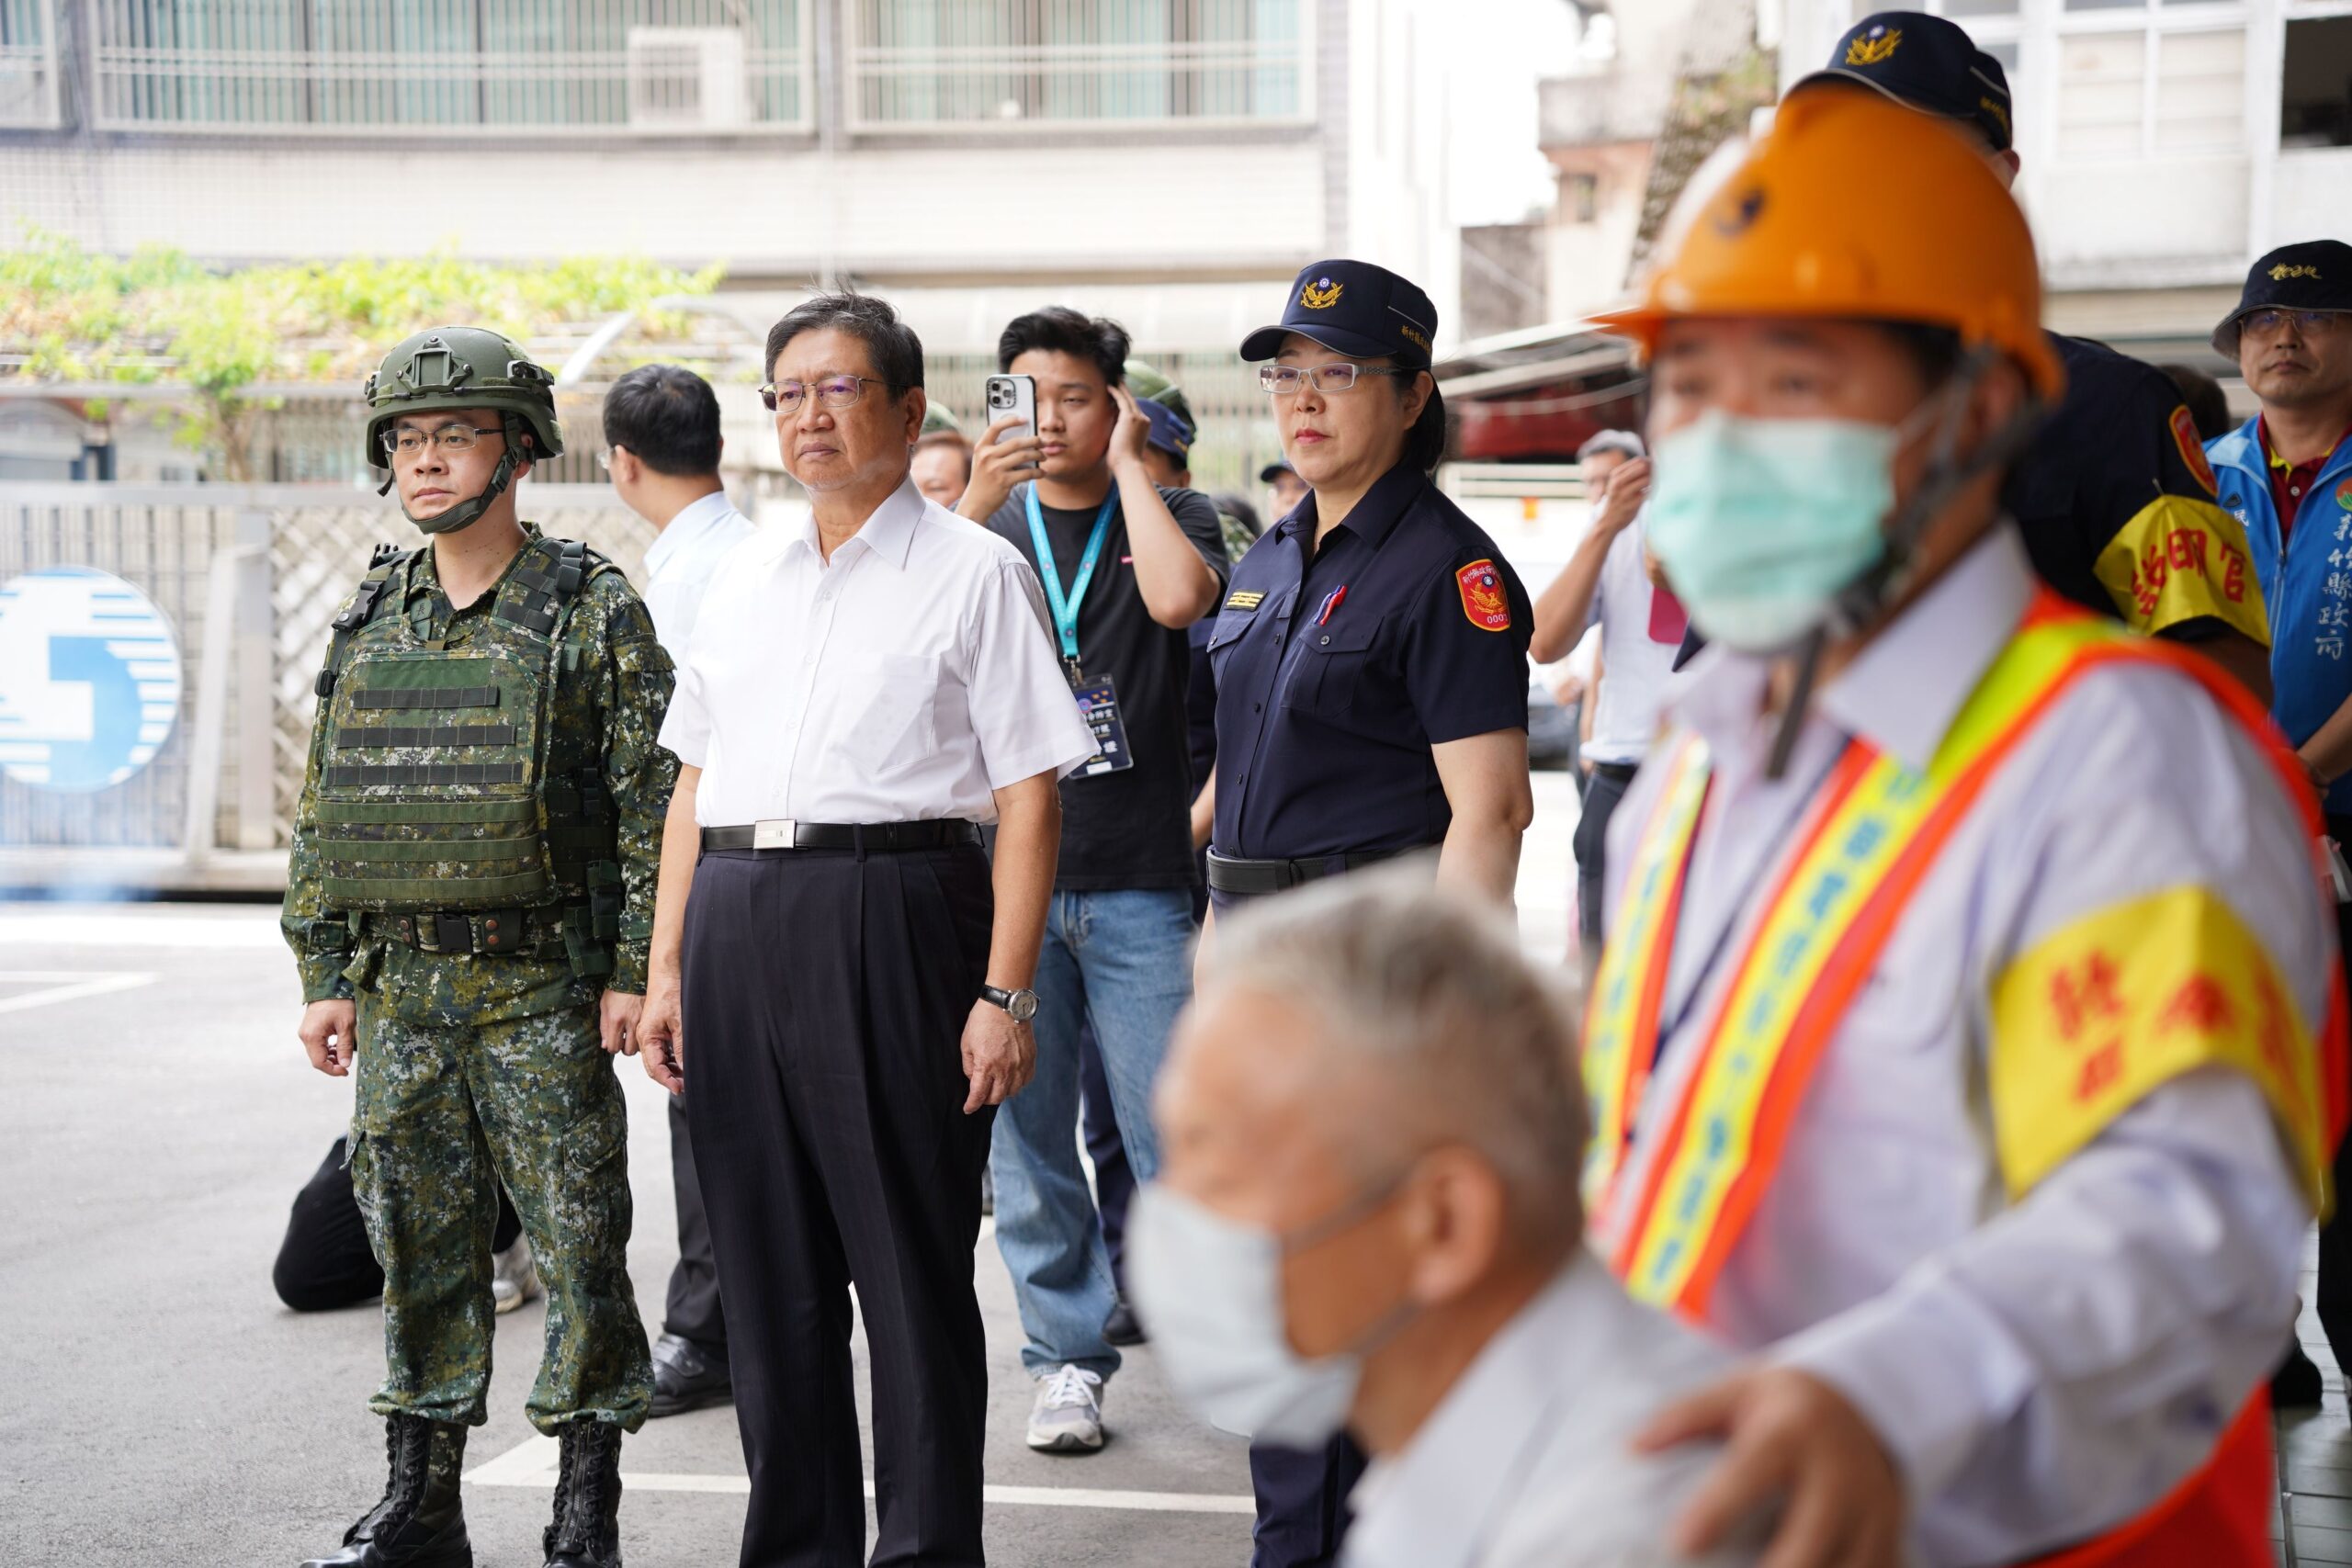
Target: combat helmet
{"points": [[465, 367]]}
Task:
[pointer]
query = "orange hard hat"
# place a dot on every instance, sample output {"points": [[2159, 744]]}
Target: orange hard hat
{"points": [[1855, 208]]}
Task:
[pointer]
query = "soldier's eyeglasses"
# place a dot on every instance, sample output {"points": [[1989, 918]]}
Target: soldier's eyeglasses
{"points": [[2308, 323], [1282, 380], [450, 438], [834, 393]]}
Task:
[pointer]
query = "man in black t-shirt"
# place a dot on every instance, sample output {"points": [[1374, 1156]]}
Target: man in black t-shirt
{"points": [[1127, 567]]}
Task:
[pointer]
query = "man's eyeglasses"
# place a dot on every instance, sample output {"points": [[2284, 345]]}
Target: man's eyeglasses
{"points": [[1282, 380], [2308, 323], [834, 393], [450, 438]]}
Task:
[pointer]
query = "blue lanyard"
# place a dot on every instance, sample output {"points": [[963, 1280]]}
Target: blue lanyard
{"points": [[1066, 608]]}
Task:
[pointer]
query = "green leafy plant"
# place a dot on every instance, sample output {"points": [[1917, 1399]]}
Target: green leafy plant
{"points": [[70, 314]]}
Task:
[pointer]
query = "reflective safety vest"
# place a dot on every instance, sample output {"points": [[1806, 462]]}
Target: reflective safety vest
{"points": [[441, 787], [1867, 841]]}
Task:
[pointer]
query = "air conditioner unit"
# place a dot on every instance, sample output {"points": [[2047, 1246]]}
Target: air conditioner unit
{"points": [[687, 79]]}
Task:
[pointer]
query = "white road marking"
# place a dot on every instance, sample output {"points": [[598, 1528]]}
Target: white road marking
{"points": [[532, 1462], [67, 986], [257, 930]]}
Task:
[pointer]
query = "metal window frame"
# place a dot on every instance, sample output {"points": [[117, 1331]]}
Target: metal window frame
{"points": [[854, 67], [2154, 20], [49, 113], [310, 68]]}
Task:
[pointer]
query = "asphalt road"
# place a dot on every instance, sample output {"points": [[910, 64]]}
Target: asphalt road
{"points": [[158, 1405]]}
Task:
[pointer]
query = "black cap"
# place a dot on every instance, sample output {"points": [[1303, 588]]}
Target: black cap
{"points": [[1353, 308], [1924, 62], [2313, 275], [1274, 469]]}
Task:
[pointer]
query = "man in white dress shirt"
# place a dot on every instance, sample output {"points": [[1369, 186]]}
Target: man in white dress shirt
{"points": [[840, 976], [1946, 1055], [662, 447], [1367, 1213]]}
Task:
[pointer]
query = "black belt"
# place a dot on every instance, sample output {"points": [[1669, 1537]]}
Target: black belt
{"points": [[480, 931], [1622, 772], [1254, 879], [871, 838]]}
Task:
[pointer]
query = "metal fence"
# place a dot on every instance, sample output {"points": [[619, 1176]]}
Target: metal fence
{"points": [[537, 67], [28, 64], [972, 64], [247, 578]]}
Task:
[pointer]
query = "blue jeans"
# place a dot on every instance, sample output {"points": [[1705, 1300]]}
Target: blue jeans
{"points": [[1121, 961]]}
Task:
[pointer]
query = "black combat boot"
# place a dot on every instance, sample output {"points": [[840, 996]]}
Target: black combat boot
{"points": [[420, 1523], [587, 1528]]}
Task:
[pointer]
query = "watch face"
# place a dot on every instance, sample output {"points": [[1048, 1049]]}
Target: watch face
{"points": [[1025, 1006]]}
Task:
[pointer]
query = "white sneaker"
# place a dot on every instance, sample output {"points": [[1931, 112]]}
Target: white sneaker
{"points": [[1068, 1416], [513, 1276]]}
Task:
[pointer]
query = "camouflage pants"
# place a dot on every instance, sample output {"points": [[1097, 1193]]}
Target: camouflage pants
{"points": [[444, 1110]]}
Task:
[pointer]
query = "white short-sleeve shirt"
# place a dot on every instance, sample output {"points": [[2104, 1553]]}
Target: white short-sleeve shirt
{"points": [[679, 562], [906, 679]]}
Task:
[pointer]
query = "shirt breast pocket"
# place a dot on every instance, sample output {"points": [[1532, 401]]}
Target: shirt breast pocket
{"points": [[1224, 637], [1336, 673], [887, 709]]}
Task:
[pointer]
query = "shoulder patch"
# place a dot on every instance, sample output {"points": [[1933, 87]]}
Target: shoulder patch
{"points": [[1244, 599], [1484, 602], [2192, 451]]}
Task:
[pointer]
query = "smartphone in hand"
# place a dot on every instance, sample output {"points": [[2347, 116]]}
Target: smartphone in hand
{"points": [[1015, 396]]}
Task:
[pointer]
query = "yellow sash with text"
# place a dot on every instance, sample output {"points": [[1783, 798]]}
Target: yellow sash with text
{"points": [[2084, 1025]]}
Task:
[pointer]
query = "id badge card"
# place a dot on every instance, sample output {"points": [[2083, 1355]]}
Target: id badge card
{"points": [[1098, 704]]}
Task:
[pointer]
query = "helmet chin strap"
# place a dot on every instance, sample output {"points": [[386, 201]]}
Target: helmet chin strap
{"points": [[1858, 604], [468, 512]]}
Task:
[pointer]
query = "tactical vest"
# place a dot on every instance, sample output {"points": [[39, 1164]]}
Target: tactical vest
{"points": [[442, 786]]}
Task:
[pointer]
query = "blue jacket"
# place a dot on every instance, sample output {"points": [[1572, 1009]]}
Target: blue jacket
{"points": [[2307, 583]]}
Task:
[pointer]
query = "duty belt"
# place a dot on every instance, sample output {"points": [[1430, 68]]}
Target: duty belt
{"points": [[485, 931], [872, 838], [1254, 879]]}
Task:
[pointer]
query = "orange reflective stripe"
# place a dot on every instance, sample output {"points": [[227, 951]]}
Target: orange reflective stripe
{"points": [[1876, 832], [1621, 1021]]}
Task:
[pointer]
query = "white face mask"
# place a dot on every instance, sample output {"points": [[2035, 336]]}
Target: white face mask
{"points": [[1210, 1290]]}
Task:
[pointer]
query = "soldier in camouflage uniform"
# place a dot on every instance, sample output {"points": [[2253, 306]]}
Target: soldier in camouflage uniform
{"points": [[470, 900]]}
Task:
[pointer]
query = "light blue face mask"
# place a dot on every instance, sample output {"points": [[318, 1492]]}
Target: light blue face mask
{"points": [[1761, 522]]}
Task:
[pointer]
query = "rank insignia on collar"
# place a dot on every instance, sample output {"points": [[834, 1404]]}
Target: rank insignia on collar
{"points": [[1878, 44], [1321, 294], [1244, 599]]}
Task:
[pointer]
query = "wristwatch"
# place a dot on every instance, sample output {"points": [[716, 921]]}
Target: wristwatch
{"points": [[1021, 1004]]}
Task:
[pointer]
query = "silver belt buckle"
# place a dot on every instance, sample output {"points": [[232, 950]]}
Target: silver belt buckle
{"points": [[776, 833]]}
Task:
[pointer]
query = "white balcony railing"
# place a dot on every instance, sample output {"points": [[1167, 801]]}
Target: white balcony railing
{"points": [[978, 65], [452, 67], [28, 64]]}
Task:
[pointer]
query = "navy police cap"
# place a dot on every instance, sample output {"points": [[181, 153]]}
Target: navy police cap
{"points": [[2313, 275], [1356, 309], [1924, 62]]}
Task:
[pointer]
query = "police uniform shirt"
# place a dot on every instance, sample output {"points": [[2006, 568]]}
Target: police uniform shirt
{"points": [[1130, 828], [2116, 504], [1337, 669], [679, 562], [2039, 1368], [908, 678]]}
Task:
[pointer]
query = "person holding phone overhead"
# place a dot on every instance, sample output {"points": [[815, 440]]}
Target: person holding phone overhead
{"points": [[1370, 670], [1126, 566]]}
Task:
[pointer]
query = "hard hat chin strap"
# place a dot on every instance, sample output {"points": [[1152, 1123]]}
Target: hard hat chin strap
{"points": [[1860, 604], [468, 512]]}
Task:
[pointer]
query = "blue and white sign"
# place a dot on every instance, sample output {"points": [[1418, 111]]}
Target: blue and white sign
{"points": [[89, 679]]}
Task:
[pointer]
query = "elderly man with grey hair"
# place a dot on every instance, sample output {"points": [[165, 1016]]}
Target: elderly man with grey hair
{"points": [[1610, 581], [1371, 1130]]}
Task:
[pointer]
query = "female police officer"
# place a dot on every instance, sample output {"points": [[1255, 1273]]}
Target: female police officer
{"points": [[1370, 670]]}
